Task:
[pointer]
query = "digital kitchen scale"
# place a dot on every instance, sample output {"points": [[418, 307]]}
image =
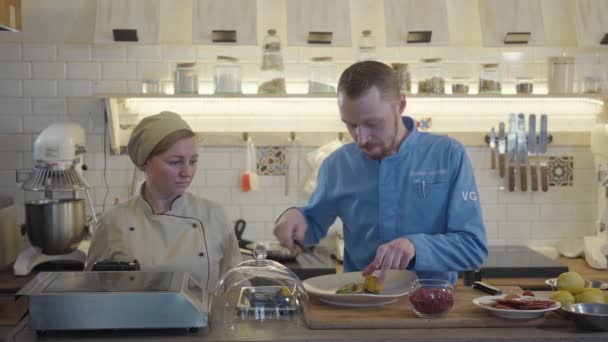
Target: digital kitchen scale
{"points": [[115, 300]]}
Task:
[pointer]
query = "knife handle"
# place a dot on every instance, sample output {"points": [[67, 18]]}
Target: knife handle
{"points": [[534, 177], [544, 178], [523, 177], [511, 178], [493, 159], [501, 165]]}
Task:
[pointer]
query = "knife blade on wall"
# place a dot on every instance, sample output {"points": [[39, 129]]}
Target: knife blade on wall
{"points": [[511, 152], [502, 147], [522, 151], [542, 150], [532, 151]]}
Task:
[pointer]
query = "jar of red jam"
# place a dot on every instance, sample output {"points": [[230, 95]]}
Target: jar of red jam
{"points": [[431, 297]]}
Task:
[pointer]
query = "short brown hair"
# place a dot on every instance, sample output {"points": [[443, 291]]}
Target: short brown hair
{"points": [[169, 140], [361, 76]]}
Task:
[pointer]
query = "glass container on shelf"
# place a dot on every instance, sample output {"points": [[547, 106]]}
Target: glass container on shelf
{"points": [[460, 85], [403, 74], [367, 46], [272, 72], [561, 75], [430, 77], [594, 76], [322, 76], [186, 78], [524, 85], [258, 290], [227, 75], [490, 79]]}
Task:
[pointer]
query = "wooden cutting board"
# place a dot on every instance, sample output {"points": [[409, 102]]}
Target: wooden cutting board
{"points": [[398, 315]]}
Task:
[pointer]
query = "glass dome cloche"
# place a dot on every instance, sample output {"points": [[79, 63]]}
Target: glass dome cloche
{"points": [[258, 290]]}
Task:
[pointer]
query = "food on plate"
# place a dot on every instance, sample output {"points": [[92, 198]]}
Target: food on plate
{"points": [[370, 284], [564, 297], [431, 301], [522, 303], [571, 282], [528, 293]]}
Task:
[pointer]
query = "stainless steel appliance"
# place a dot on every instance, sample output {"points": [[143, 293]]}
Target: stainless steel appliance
{"points": [[115, 300], [56, 224]]}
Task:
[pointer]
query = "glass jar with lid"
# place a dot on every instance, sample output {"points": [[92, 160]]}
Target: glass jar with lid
{"points": [[227, 75], [460, 85], [272, 75], [367, 46], [259, 290], [430, 77], [186, 78], [490, 79], [524, 85], [560, 79], [322, 76], [403, 74]]}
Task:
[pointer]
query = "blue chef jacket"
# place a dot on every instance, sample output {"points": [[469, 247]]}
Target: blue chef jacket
{"points": [[425, 192]]}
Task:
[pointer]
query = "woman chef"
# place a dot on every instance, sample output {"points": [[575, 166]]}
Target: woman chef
{"points": [[166, 228]]}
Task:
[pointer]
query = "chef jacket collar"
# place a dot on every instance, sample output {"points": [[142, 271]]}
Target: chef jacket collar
{"points": [[177, 203]]}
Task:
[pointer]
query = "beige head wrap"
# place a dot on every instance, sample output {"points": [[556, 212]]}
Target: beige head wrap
{"points": [[150, 131]]}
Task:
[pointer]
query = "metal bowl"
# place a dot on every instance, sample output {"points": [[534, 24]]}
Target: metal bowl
{"points": [[588, 316], [55, 226], [598, 284]]}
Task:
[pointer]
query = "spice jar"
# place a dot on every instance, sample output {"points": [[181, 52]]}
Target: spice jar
{"points": [[227, 75], [322, 76], [561, 75], [431, 80], [489, 79], [403, 74], [524, 85], [460, 85], [186, 78], [367, 46], [272, 76]]}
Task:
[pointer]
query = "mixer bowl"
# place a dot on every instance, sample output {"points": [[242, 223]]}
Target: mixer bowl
{"points": [[55, 226]]}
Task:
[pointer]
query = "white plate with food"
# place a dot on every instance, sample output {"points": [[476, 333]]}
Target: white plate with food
{"points": [[518, 307], [396, 284]]}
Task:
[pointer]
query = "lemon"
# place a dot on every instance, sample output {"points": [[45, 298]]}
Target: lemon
{"points": [[564, 297], [571, 282], [590, 297]]}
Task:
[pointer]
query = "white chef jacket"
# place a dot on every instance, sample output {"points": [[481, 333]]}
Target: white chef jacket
{"points": [[193, 237]]}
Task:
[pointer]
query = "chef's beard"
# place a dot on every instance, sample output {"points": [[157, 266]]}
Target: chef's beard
{"points": [[383, 150]]}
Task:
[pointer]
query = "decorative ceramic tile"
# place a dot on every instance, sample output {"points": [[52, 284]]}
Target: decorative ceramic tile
{"points": [[271, 161], [424, 124], [561, 170]]}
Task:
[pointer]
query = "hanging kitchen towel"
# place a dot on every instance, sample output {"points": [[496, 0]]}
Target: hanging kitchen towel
{"points": [[314, 160], [253, 167]]}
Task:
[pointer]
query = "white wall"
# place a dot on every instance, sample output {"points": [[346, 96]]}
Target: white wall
{"points": [[52, 71]]}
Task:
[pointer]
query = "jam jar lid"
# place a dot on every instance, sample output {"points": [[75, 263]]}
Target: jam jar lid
{"points": [[258, 290]]}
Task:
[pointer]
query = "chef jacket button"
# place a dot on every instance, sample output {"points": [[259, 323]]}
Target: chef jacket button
{"points": [[131, 228], [194, 225], [201, 254]]}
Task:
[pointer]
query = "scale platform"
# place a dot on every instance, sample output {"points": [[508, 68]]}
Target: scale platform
{"points": [[115, 300]]}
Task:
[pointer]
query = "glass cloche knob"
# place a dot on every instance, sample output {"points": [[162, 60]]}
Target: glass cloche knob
{"points": [[260, 253]]}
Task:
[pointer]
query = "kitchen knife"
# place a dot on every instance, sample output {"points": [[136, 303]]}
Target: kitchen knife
{"points": [[493, 149], [532, 151], [542, 150], [522, 153], [511, 152], [502, 147]]}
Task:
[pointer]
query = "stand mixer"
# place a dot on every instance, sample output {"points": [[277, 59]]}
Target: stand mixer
{"points": [[596, 247], [56, 224]]}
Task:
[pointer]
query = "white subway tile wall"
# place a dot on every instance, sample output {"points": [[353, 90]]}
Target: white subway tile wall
{"points": [[41, 84]]}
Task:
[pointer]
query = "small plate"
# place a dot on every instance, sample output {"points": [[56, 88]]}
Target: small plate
{"points": [[396, 284], [517, 314], [598, 284]]}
